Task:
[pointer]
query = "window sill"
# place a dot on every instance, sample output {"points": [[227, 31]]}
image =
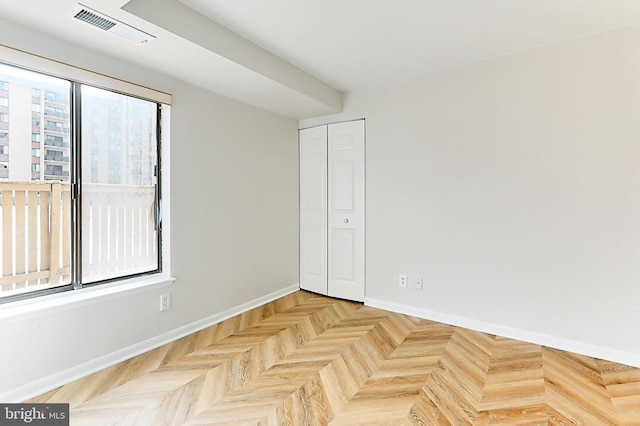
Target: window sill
{"points": [[46, 305]]}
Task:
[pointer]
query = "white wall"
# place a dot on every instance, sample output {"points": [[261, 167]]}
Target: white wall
{"points": [[234, 223], [512, 186]]}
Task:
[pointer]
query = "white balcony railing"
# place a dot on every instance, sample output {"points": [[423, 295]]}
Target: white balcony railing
{"points": [[118, 235], [35, 235]]}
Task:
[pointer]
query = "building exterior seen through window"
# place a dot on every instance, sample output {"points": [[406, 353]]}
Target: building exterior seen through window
{"points": [[117, 156], [119, 163]]}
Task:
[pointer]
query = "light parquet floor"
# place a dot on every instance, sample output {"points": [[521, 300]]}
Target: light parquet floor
{"points": [[312, 360]]}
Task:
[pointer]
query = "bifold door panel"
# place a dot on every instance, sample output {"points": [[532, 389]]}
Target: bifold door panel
{"points": [[342, 209], [313, 209]]}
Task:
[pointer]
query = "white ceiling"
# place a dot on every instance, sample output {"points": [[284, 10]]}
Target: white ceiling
{"points": [[347, 44], [360, 44]]}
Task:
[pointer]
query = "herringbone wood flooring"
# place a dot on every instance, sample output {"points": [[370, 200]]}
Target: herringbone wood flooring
{"points": [[311, 360]]}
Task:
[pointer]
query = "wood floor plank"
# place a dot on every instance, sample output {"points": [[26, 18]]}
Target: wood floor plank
{"points": [[318, 378], [390, 393], [623, 384], [514, 392], [232, 361], [455, 385], [306, 359], [574, 389]]}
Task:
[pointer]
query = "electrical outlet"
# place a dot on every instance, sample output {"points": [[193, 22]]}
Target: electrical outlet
{"points": [[402, 280], [165, 301], [417, 284]]}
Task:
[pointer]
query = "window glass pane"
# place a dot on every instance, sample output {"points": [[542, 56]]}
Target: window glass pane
{"points": [[118, 164], [35, 200]]}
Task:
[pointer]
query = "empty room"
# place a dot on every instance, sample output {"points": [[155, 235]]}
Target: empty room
{"points": [[355, 212]]}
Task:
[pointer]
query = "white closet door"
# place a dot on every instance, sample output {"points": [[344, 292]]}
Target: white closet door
{"points": [[346, 210], [313, 209]]}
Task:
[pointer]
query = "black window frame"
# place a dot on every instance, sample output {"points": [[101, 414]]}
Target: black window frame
{"points": [[75, 180]]}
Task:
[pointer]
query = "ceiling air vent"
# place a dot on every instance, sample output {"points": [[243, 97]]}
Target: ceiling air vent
{"points": [[110, 25]]}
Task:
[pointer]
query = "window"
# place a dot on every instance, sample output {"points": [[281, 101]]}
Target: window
{"points": [[4, 149], [58, 112], [35, 122], [35, 93], [4, 85], [4, 101], [131, 196], [54, 125], [4, 118], [56, 171], [54, 140], [57, 97], [118, 231]]}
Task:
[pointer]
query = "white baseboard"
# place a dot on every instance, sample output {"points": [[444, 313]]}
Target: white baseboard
{"points": [[588, 349], [61, 378]]}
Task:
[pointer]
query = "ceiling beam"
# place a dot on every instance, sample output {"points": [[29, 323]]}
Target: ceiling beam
{"points": [[181, 20]]}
